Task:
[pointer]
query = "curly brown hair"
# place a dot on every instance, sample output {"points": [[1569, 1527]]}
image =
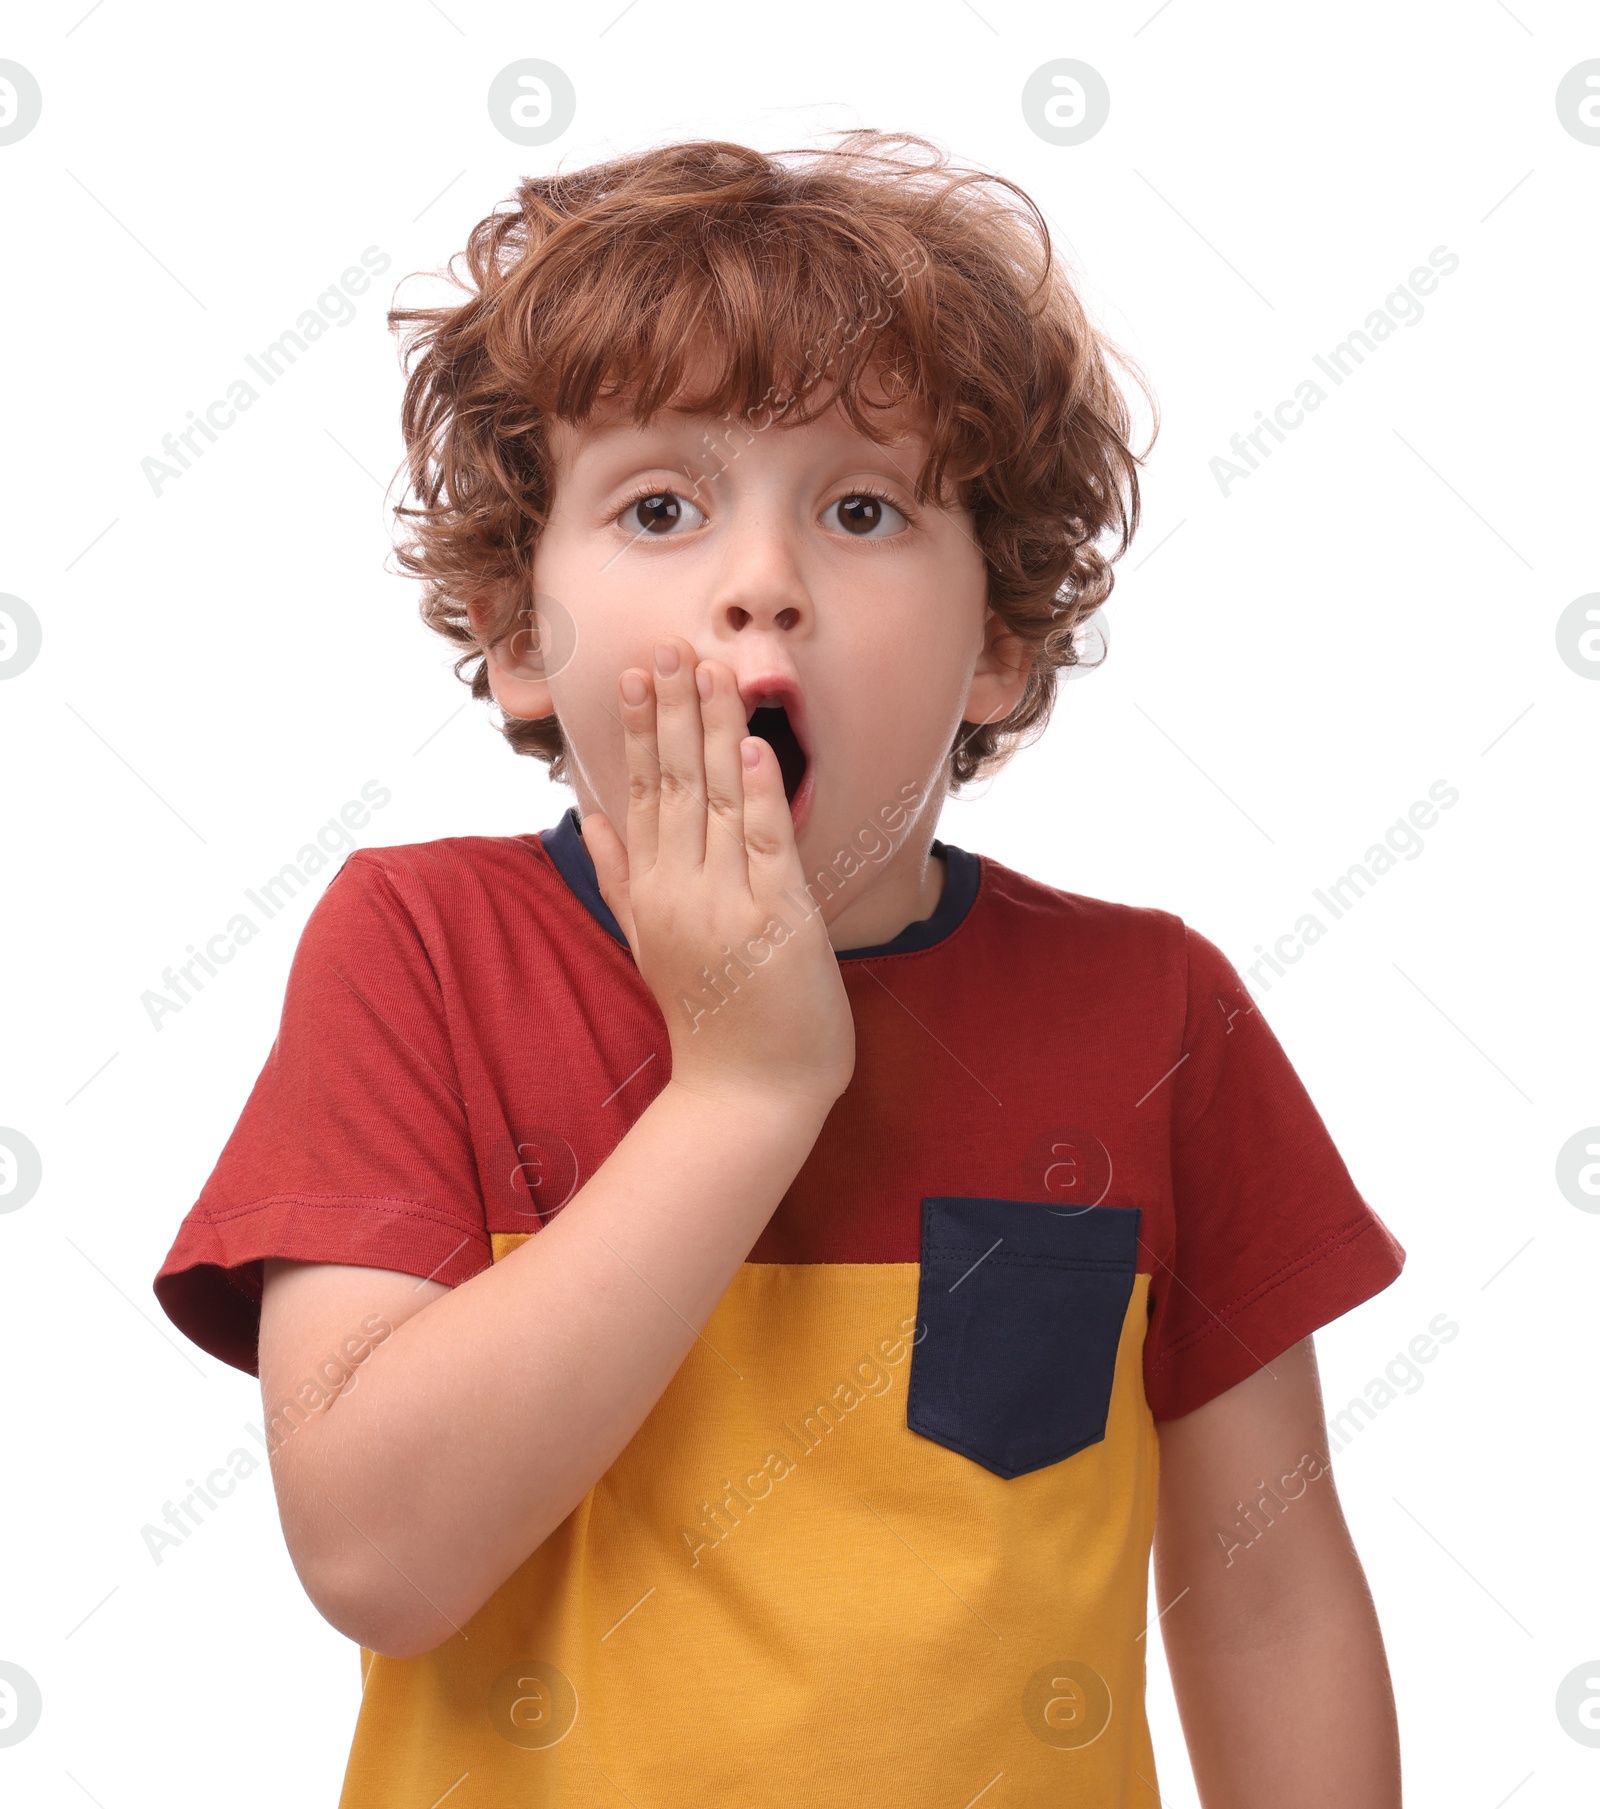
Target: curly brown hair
{"points": [[810, 277]]}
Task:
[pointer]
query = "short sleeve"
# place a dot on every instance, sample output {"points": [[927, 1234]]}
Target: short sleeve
{"points": [[1271, 1237], [354, 1145]]}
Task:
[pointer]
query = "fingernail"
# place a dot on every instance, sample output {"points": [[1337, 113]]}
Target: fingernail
{"points": [[666, 658], [634, 690], [750, 748], [704, 682]]}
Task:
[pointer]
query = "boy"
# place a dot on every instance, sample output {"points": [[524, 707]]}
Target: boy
{"points": [[726, 1273]]}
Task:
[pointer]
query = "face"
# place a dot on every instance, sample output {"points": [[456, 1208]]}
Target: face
{"points": [[854, 620]]}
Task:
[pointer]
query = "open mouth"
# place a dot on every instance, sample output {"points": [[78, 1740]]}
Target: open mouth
{"points": [[770, 723]]}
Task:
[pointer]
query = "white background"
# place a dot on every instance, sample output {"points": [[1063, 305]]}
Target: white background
{"points": [[1292, 665]]}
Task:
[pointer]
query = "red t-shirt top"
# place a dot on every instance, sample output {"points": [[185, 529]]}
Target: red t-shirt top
{"points": [[465, 1037]]}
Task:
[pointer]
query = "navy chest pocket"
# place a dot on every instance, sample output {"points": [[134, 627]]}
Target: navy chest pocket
{"points": [[1020, 1310]]}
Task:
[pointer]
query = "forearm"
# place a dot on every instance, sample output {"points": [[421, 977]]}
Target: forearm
{"points": [[482, 1421]]}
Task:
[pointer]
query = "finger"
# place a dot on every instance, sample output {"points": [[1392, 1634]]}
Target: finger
{"points": [[644, 768], [610, 857], [680, 737], [771, 858], [723, 719]]}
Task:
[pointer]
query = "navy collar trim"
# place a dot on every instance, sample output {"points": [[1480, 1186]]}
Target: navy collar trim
{"points": [[564, 844]]}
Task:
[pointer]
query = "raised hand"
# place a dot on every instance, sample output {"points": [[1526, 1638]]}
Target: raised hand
{"points": [[710, 893]]}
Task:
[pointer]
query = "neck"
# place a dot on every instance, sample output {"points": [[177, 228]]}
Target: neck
{"points": [[875, 903]]}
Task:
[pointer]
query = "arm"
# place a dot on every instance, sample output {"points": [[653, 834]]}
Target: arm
{"points": [[488, 1411], [486, 1415], [1271, 1635]]}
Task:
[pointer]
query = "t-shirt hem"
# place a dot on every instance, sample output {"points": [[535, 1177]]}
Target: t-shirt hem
{"points": [[210, 1285], [1323, 1283]]}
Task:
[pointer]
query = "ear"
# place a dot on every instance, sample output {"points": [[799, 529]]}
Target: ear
{"points": [[1000, 676], [518, 665]]}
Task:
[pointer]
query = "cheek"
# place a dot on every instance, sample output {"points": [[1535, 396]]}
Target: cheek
{"points": [[618, 607], [600, 626], [585, 693], [612, 635], [922, 632], [894, 705]]}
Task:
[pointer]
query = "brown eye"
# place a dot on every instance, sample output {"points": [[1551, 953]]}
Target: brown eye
{"points": [[867, 516], [657, 514], [661, 513]]}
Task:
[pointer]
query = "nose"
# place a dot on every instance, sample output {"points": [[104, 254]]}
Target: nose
{"points": [[760, 584]]}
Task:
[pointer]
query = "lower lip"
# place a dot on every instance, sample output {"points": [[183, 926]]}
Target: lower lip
{"points": [[800, 807]]}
